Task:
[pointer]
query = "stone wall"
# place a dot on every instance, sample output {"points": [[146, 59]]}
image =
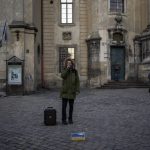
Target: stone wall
{"points": [[53, 39], [142, 42], [144, 70], [134, 20], [37, 17], [83, 19], [89, 17], [5, 15], [49, 13]]}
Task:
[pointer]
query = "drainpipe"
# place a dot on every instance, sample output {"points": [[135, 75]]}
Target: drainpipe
{"points": [[148, 12], [42, 64]]}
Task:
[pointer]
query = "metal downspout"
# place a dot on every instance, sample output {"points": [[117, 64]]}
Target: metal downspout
{"points": [[42, 64]]}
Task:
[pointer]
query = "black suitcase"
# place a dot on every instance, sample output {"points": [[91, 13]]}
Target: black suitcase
{"points": [[50, 116]]}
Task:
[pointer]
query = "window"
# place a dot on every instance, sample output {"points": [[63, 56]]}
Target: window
{"points": [[117, 37], [145, 49], [117, 6], [65, 52], [66, 11]]}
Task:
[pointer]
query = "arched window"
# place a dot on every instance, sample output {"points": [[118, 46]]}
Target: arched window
{"points": [[117, 6]]}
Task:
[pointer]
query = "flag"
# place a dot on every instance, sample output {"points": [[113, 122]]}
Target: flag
{"points": [[4, 34]]}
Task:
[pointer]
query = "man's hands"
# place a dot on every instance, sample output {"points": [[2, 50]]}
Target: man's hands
{"points": [[69, 65]]}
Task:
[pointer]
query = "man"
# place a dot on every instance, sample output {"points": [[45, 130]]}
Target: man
{"points": [[70, 87]]}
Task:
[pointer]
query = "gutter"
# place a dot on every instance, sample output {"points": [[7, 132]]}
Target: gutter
{"points": [[42, 63]]}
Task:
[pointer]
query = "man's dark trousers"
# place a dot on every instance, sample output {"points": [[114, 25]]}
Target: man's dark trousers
{"points": [[64, 106]]}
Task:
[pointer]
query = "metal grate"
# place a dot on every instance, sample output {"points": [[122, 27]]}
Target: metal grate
{"points": [[117, 6], [65, 52]]}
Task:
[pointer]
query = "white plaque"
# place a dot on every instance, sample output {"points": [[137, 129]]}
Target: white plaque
{"points": [[14, 74]]}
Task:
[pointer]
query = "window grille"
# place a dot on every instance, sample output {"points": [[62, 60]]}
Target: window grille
{"points": [[145, 49], [117, 6], [65, 52]]}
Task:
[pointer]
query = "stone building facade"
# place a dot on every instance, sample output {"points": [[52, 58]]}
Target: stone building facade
{"points": [[102, 36], [23, 29]]}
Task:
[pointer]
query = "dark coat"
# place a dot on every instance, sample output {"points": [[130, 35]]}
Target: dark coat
{"points": [[70, 84]]}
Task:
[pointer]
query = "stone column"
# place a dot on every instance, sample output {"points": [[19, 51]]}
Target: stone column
{"points": [[28, 11], [18, 10], [144, 67], [23, 11], [94, 70], [23, 44], [149, 12]]}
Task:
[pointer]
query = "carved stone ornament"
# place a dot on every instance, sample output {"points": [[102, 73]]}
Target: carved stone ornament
{"points": [[118, 18], [67, 35]]}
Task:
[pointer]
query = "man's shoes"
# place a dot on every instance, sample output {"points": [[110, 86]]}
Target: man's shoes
{"points": [[64, 122], [70, 122]]}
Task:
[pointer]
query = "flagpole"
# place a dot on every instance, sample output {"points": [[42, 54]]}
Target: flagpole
{"points": [[6, 38], [6, 54]]}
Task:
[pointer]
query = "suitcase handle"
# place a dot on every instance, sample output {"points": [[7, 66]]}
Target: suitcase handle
{"points": [[50, 107]]}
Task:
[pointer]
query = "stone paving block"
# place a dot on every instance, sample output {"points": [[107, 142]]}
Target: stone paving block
{"points": [[111, 120]]}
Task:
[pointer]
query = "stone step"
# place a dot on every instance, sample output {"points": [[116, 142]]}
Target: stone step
{"points": [[124, 84], [121, 87]]}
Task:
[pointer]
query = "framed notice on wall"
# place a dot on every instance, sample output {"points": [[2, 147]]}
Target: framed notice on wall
{"points": [[15, 75]]}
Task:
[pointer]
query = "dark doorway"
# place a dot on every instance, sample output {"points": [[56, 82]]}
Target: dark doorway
{"points": [[117, 63]]}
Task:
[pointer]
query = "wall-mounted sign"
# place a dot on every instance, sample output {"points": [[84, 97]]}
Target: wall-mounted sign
{"points": [[14, 74]]}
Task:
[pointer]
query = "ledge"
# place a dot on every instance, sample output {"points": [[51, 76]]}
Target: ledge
{"points": [[93, 36], [22, 24]]}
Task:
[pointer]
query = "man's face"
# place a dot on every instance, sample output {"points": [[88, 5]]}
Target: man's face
{"points": [[69, 64]]}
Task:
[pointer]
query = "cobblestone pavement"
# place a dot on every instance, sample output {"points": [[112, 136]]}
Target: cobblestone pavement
{"points": [[111, 120]]}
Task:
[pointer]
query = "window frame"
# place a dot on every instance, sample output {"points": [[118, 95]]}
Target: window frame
{"points": [[116, 12], [145, 49], [60, 9]]}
